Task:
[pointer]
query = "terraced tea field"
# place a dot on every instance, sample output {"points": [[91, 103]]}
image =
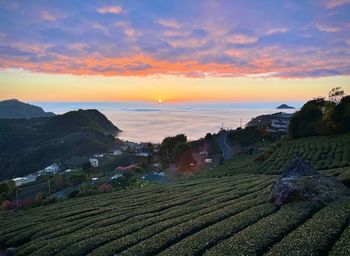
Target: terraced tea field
{"points": [[323, 153], [219, 216]]}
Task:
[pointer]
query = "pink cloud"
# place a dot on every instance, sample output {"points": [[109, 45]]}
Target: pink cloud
{"points": [[327, 28], [253, 62], [242, 39], [171, 33], [335, 3], [128, 30], [277, 30], [169, 23], [187, 43], [110, 9], [45, 15]]}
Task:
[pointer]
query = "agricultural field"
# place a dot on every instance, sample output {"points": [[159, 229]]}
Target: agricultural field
{"points": [[329, 154], [323, 152], [217, 216]]}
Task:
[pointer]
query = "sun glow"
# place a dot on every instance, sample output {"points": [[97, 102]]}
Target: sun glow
{"points": [[160, 101]]}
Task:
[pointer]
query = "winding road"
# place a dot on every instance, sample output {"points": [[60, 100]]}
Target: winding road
{"points": [[225, 147]]}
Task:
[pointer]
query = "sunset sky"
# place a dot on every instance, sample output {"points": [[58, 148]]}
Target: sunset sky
{"points": [[173, 50]]}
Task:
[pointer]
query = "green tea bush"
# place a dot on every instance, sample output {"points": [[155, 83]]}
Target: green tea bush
{"points": [[315, 236], [252, 241]]}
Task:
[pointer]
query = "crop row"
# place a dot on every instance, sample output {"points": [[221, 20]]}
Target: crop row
{"points": [[342, 246], [316, 236], [133, 223], [42, 228], [152, 239], [31, 220], [197, 243], [255, 239], [322, 152], [103, 220]]}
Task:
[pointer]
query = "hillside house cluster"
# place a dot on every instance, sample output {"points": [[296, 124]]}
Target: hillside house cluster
{"points": [[280, 122]]}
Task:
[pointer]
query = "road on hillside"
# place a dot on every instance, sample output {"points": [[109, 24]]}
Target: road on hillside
{"points": [[225, 146]]}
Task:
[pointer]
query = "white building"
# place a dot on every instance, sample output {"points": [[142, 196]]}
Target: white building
{"points": [[93, 162], [52, 169], [117, 152], [280, 121], [142, 154], [116, 176], [24, 180]]}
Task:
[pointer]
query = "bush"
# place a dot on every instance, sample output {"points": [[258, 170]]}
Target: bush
{"points": [[317, 234]]}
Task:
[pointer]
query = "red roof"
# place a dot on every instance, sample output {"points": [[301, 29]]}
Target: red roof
{"points": [[126, 168]]}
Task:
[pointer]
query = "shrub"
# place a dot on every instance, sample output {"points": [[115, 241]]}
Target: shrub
{"points": [[317, 234]]}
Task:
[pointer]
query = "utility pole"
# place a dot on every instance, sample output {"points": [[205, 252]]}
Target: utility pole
{"points": [[240, 122], [17, 198], [48, 181]]}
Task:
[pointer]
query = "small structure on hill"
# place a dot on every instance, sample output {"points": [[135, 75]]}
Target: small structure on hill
{"points": [[280, 122], [52, 169], [93, 162], [300, 182]]}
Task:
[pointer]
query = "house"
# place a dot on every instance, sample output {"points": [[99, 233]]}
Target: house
{"points": [[116, 176], [280, 122], [208, 161], [52, 169], [117, 152], [19, 181], [142, 154], [93, 162], [24, 180]]}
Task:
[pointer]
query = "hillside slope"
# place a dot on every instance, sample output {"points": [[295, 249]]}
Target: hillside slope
{"points": [[28, 145], [14, 109], [227, 216], [321, 152]]}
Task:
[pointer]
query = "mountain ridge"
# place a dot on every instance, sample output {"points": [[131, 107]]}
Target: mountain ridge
{"points": [[15, 109]]}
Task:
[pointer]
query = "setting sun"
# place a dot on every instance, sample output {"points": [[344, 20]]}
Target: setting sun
{"points": [[160, 101]]}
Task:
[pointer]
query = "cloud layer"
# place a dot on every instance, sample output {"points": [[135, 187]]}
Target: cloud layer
{"points": [[177, 37]]}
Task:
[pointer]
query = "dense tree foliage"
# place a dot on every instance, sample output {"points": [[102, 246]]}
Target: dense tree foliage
{"points": [[322, 117], [341, 115], [29, 145], [166, 150]]}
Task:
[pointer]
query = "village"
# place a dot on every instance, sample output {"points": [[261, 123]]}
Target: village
{"points": [[129, 165]]}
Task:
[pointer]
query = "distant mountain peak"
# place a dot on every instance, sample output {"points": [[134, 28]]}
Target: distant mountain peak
{"points": [[15, 109], [285, 106]]}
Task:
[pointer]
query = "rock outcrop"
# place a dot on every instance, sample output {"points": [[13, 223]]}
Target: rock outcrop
{"points": [[300, 182]]}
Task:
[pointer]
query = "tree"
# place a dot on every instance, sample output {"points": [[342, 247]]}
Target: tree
{"points": [[77, 178], [208, 136], [341, 115], [86, 166], [336, 94], [179, 150], [304, 122], [167, 146]]}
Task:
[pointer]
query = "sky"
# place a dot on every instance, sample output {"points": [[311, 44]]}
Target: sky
{"points": [[173, 50]]}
